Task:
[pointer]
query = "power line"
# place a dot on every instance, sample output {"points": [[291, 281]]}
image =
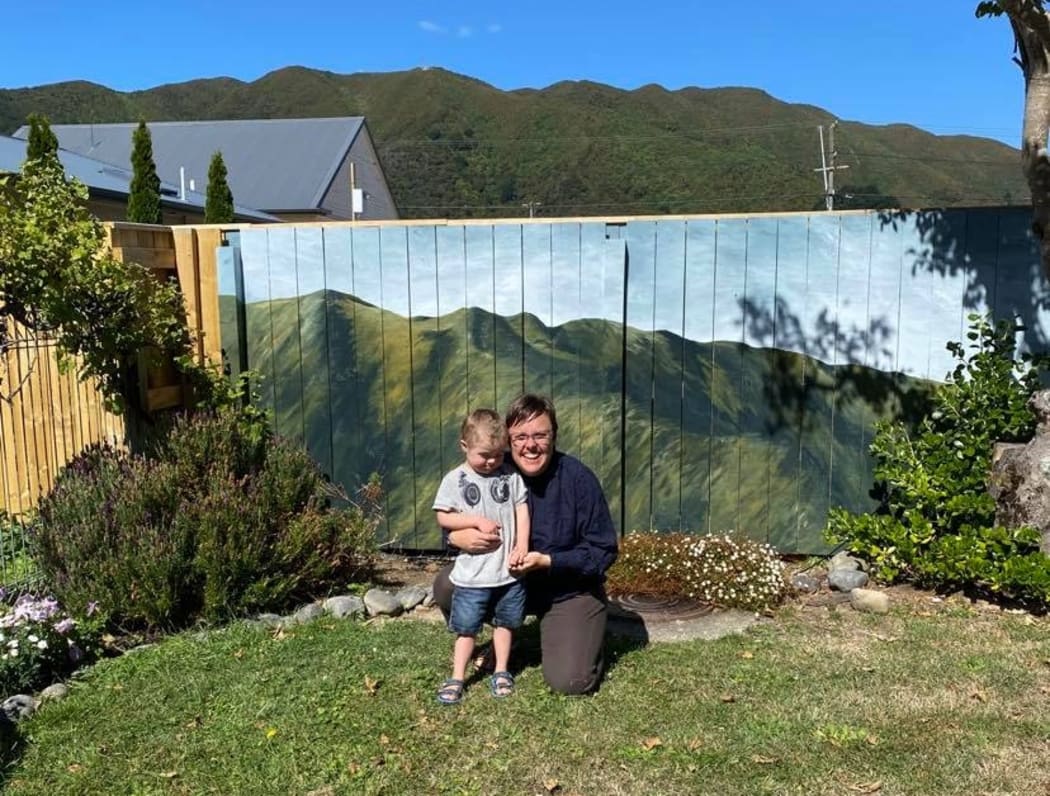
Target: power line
{"points": [[701, 131], [728, 200]]}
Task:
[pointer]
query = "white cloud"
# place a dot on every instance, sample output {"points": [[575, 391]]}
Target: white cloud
{"points": [[460, 31]]}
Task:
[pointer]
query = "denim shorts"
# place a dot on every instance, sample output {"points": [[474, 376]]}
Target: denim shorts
{"points": [[503, 606]]}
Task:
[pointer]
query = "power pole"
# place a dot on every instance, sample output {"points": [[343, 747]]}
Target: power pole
{"points": [[532, 207], [828, 172]]}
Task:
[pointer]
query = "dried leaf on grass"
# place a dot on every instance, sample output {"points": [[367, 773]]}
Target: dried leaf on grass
{"points": [[866, 787]]}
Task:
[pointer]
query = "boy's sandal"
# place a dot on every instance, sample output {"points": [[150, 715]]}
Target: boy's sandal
{"points": [[502, 684], [451, 692]]}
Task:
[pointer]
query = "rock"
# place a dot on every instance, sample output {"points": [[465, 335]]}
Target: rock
{"points": [[870, 601], [847, 579], [18, 707], [1020, 477], [54, 692], [843, 560], [382, 603], [806, 584], [344, 605], [411, 596], [307, 613], [268, 620]]}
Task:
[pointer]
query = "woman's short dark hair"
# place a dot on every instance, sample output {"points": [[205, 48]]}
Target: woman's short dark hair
{"points": [[525, 407]]}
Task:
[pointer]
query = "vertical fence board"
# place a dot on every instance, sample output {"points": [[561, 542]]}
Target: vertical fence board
{"points": [[668, 369], [537, 264], [726, 366], [698, 329], [426, 382], [347, 393], [454, 323], [638, 366], [508, 343], [568, 334]]}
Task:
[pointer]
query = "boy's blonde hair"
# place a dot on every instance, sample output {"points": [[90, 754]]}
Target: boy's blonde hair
{"points": [[483, 427]]}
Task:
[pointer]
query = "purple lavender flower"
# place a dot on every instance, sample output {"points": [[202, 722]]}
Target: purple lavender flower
{"points": [[91, 608], [64, 626]]}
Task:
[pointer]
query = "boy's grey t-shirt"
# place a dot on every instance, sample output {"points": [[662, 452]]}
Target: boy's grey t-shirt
{"points": [[494, 497]]}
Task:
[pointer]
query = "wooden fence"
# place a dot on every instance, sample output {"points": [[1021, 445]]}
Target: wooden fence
{"points": [[53, 416], [716, 372]]}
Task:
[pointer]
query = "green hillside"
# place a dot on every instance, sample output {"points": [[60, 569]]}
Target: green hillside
{"points": [[453, 146], [374, 391]]}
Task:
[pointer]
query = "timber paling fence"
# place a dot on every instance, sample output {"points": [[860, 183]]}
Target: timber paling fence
{"points": [[717, 372], [48, 416]]}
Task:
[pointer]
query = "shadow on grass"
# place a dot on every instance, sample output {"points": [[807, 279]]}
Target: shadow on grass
{"points": [[11, 746], [527, 652]]}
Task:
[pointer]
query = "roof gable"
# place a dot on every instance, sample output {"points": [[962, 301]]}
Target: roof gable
{"points": [[272, 164]]}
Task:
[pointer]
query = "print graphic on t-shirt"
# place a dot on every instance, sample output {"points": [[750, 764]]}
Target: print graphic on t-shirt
{"points": [[470, 492], [500, 489]]}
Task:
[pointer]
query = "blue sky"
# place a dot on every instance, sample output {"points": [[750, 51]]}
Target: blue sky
{"points": [[928, 63]]}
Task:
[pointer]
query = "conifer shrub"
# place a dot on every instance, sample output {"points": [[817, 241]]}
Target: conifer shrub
{"points": [[220, 520], [935, 523]]}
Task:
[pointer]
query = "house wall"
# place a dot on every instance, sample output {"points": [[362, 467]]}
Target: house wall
{"points": [[106, 209], [379, 203]]}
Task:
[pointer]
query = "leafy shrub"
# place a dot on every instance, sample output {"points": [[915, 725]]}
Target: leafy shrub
{"points": [[41, 643], [17, 569], [936, 521], [222, 519], [724, 570]]}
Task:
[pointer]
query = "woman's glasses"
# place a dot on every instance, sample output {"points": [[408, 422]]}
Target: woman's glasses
{"points": [[541, 438]]}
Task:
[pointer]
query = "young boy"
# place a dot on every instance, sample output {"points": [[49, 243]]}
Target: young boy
{"points": [[485, 493]]}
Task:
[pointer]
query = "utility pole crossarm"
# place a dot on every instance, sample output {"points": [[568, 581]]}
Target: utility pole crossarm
{"points": [[828, 172]]}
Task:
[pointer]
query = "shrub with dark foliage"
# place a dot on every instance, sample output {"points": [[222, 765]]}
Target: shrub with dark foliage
{"points": [[222, 519]]}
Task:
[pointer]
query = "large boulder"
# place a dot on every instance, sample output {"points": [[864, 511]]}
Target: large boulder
{"points": [[1020, 477]]}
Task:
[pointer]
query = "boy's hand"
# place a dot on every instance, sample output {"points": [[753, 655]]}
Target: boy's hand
{"points": [[532, 561], [488, 527], [517, 557]]}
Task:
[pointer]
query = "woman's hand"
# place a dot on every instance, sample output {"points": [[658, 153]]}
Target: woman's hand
{"points": [[475, 540], [532, 562]]}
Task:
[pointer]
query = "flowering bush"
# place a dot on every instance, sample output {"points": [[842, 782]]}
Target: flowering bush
{"points": [[725, 570], [40, 642]]}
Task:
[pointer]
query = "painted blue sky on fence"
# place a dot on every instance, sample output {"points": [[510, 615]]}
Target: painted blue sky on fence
{"points": [[838, 287]]}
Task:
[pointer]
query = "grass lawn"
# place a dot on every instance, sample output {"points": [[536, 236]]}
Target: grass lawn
{"points": [[816, 701]]}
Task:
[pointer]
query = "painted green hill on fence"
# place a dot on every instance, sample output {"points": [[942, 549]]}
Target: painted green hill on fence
{"points": [[682, 434]]}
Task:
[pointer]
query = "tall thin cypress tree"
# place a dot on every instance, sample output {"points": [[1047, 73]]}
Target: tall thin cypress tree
{"points": [[218, 205], [144, 199], [43, 143]]}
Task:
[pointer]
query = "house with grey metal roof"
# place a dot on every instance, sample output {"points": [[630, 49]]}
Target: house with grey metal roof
{"points": [[108, 188], [296, 169]]}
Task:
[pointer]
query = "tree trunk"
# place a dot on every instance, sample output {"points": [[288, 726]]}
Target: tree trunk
{"points": [[1031, 26]]}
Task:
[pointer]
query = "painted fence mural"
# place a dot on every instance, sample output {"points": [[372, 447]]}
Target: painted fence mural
{"points": [[718, 373]]}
